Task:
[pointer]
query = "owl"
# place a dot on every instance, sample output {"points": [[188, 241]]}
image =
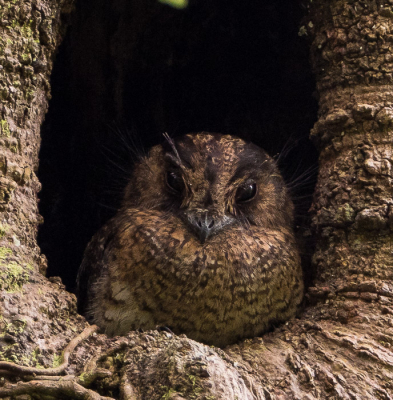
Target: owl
{"points": [[203, 244]]}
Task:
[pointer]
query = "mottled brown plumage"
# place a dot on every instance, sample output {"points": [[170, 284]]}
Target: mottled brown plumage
{"points": [[202, 244]]}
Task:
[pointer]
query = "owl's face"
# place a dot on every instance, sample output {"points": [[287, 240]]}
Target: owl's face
{"points": [[212, 183]]}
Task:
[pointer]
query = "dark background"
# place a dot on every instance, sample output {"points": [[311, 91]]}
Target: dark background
{"points": [[129, 70]]}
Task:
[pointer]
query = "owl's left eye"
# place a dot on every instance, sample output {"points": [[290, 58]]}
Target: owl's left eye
{"points": [[174, 182], [246, 192]]}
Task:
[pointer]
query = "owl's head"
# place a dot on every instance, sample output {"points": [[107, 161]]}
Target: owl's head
{"points": [[212, 183]]}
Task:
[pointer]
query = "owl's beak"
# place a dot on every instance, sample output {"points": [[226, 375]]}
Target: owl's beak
{"points": [[205, 225], [205, 228]]}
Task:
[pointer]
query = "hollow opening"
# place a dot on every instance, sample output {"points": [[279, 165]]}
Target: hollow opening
{"points": [[128, 71]]}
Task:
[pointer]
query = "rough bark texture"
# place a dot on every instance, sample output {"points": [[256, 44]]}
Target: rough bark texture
{"points": [[353, 212], [340, 348], [33, 311]]}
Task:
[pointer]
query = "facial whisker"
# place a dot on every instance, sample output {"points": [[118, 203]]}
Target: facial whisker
{"points": [[173, 146]]}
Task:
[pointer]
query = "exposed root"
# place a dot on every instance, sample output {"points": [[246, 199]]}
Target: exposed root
{"points": [[23, 370], [49, 378], [92, 364], [127, 391], [91, 372], [47, 381], [88, 378], [54, 388]]}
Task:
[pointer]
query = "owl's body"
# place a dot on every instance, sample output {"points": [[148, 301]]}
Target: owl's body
{"points": [[203, 244]]}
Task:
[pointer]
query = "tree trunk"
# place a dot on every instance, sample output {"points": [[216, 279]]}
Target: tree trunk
{"points": [[33, 312], [339, 348]]}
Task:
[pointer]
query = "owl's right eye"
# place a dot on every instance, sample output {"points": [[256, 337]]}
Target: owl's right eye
{"points": [[174, 182], [246, 192]]}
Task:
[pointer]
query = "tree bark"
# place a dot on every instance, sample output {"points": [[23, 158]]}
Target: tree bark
{"points": [[33, 311], [340, 347]]}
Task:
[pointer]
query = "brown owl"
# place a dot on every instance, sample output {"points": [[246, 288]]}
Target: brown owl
{"points": [[203, 244]]}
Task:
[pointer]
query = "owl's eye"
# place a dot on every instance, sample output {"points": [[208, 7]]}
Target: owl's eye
{"points": [[174, 182], [246, 192]]}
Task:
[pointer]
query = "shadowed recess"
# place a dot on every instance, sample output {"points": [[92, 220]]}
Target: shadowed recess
{"points": [[130, 70]]}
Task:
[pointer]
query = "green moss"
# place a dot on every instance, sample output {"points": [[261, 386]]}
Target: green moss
{"points": [[57, 360], [3, 230], [196, 387], [193, 379], [14, 358], [26, 29], [26, 58], [345, 214], [119, 358], [12, 328], [82, 378], [6, 350], [13, 277], [12, 274], [17, 327], [32, 360], [4, 326], [168, 393], [14, 147], [4, 253], [5, 128], [30, 94], [34, 355]]}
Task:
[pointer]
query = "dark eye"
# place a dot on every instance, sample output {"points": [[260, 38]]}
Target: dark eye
{"points": [[174, 181], [246, 192]]}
